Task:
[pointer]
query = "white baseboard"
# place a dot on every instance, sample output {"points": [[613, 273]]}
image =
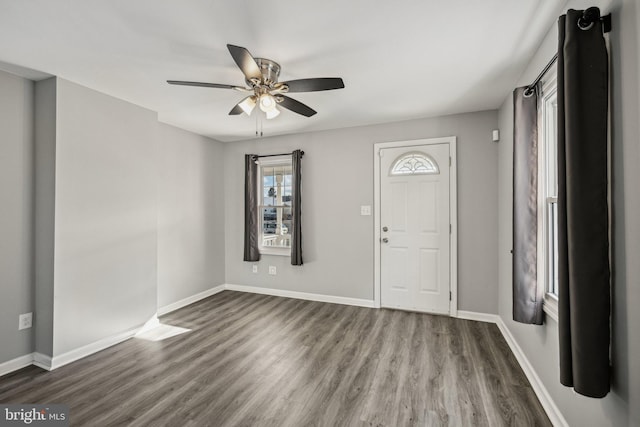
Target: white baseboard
{"points": [[302, 295], [42, 361], [479, 317], [15, 364], [89, 349], [190, 300], [550, 407]]}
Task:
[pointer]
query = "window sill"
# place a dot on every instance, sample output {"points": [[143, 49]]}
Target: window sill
{"points": [[550, 306], [276, 251]]}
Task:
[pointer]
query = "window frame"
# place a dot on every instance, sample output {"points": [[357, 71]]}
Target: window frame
{"points": [[269, 162], [548, 90]]}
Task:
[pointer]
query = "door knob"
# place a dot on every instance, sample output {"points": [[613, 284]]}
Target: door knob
{"points": [[385, 228], [385, 240]]}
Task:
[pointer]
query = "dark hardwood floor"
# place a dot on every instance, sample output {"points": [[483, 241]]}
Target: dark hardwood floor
{"points": [[255, 360]]}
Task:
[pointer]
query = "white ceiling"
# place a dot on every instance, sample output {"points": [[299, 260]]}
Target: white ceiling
{"points": [[399, 59]]}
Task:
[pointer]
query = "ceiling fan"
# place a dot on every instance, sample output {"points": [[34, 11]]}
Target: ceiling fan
{"points": [[261, 76]]}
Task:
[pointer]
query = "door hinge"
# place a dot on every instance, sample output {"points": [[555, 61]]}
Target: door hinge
{"points": [[450, 161], [450, 229], [449, 295]]}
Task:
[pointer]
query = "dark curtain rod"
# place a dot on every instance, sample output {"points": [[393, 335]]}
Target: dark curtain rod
{"points": [[529, 90], [275, 155], [589, 16]]}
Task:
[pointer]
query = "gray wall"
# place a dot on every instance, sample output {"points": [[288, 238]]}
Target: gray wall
{"points": [[105, 217], [45, 195], [190, 214], [128, 215], [540, 343], [16, 213], [338, 179]]}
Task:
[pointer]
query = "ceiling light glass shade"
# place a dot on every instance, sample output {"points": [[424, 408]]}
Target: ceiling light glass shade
{"points": [[248, 105], [267, 102], [273, 113]]}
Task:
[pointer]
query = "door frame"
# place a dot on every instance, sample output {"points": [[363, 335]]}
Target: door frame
{"points": [[453, 215]]}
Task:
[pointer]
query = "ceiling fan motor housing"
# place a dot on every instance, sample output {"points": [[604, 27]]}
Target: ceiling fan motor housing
{"points": [[270, 71]]}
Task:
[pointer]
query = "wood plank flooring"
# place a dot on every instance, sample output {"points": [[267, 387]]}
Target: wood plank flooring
{"points": [[255, 360]]}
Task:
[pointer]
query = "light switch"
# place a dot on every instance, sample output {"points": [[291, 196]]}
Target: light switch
{"points": [[365, 210]]}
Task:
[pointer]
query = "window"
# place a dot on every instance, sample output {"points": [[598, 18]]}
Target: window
{"points": [[548, 191], [415, 163], [274, 205]]}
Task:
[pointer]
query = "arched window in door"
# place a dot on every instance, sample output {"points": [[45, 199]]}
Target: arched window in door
{"points": [[414, 163]]}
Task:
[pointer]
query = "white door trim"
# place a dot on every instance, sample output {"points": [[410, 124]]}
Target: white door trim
{"points": [[453, 212]]}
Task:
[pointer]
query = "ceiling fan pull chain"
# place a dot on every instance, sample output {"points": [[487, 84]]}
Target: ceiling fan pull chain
{"points": [[259, 125]]}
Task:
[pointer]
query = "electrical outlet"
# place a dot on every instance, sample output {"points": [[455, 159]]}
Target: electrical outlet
{"points": [[365, 210], [25, 320], [272, 270], [255, 268]]}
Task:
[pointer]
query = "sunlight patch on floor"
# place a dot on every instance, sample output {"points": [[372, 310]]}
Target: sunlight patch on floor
{"points": [[161, 332]]}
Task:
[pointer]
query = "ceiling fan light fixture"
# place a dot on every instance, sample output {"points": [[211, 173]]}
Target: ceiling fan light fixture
{"points": [[267, 102], [248, 105], [273, 113]]}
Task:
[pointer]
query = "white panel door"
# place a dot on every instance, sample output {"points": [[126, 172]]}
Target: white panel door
{"points": [[414, 222]]}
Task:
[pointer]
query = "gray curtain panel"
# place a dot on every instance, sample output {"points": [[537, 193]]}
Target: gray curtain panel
{"points": [[528, 294], [251, 252], [296, 239], [583, 211]]}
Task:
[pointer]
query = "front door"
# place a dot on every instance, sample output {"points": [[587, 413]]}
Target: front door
{"points": [[415, 228]]}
